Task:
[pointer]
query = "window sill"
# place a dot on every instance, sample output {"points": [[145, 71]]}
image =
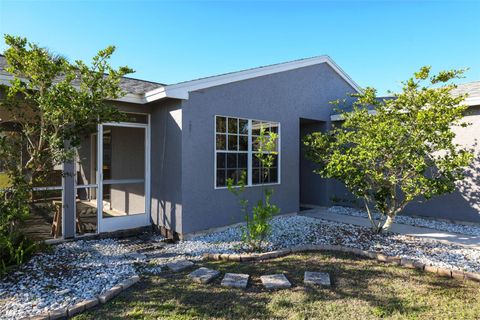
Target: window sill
{"points": [[251, 186]]}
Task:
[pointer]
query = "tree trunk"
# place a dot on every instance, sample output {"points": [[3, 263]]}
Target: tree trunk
{"points": [[388, 223]]}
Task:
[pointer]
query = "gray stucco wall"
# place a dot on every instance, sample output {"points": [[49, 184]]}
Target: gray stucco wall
{"points": [[283, 97], [166, 160], [464, 203]]}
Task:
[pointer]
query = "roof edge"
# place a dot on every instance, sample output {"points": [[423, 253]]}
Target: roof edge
{"points": [[183, 89]]}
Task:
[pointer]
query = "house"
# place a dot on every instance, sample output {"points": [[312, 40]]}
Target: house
{"points": [[168, 164]]}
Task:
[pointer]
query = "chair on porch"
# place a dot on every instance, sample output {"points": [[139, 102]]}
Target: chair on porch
{"points": [[85, 209]]}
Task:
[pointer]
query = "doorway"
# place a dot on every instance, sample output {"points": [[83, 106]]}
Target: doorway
{"points": [[113, 179]]}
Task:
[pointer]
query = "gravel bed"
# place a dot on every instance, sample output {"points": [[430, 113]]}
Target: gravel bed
{"points": [[414, 221], [72, 272], [301, 230]]}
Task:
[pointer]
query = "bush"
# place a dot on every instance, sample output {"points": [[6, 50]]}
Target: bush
{"points": [[257, 224]]}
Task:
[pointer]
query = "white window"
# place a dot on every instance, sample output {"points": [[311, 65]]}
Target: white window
{"points": [[236, 148]]}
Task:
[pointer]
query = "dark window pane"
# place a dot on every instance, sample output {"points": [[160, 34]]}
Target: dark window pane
{"points": [[232, 125], [221, 142], [232, 174], [232, 142], [256, 127], [241, 172], [255, 176], [243, 143], [273, 175], [231, 160], [243, 126], [276, 145], [242, 160], [274, 127], [275, 160], [221, 160], [137, 118], [239, 176], [255, 161], [255, 143], [221, 182], [221, 124], [264, 175]]}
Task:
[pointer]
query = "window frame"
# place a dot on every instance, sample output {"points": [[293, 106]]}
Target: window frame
{"points": [[250, 153]]}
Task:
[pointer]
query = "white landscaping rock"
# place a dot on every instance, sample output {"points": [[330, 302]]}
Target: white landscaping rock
{"points": [[414, 221], [72, 272], [301, 230]]}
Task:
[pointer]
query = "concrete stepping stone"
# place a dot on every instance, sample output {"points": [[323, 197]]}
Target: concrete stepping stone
{"points": [[317, 278], [235, 280], [203, 275], [275, 281], [179, 265]]}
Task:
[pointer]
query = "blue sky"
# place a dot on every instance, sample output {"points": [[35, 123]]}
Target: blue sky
{"points": [[378, 43]]}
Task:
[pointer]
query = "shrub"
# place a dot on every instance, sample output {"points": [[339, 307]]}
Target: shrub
{"points": [[257, 224], [15, 247]]}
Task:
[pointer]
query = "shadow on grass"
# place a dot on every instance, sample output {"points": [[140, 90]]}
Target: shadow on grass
{"points": [[362, 289]]}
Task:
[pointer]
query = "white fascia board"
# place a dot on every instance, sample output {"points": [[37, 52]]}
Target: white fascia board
{"points": [[132, 98], [473, 101], [155, 94], [182, 90]]}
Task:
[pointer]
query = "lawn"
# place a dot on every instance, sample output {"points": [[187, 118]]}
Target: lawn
{"points": [[362, 289]]}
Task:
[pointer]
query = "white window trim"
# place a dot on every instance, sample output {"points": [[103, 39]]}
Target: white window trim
{"points": [[249, 152]]}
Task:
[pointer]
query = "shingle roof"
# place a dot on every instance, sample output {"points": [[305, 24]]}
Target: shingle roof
{"points": [[129, 85], [471, 88]]}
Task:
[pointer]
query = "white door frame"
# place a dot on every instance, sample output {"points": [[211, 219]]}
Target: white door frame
{"points": [[122, 222]]}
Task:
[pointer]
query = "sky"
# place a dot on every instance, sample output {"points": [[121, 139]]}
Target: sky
{"points": [[378, 43]]}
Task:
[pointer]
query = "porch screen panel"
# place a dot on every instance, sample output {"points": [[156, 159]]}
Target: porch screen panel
{"points": [[123, 171]]}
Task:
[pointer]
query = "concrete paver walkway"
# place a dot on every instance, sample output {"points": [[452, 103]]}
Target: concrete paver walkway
{"points": [[419, 232]]}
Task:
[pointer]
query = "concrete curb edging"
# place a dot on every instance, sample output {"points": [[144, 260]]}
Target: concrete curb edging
{"points": [[395, 260], [85, 305]]}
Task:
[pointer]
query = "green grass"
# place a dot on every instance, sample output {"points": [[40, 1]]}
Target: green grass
{"points": [[4, 180], [362, 289]]}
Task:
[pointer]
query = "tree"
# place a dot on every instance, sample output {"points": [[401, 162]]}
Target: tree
{"points": [[257, 224], [53, 101], [49, 103], [402, 152]]}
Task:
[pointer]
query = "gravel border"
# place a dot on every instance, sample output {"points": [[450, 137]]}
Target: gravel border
{"points": [[298, 230], [74, 275], [471, 230], [407, 263], [85, 305]]}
